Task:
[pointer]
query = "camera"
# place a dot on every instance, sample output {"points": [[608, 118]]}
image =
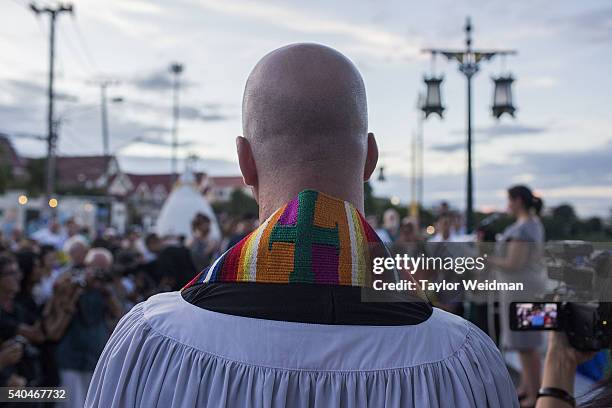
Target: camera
{"points": [[578, 266], [101, 274], [29, 351], [79, 276], [485, 230], [588, 326], [583, 275]]}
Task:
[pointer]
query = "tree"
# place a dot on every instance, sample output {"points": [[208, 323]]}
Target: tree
{"points": [[6, 174], [369, 199], [565, 213], [241, 204], [5, 178], [562, 223], [36, 172]]}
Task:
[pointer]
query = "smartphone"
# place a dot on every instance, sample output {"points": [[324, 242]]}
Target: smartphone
{"points": [[535, 316]]}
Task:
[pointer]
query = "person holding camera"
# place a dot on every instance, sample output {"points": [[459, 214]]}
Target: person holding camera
{"points": [[18, 323], [11, 350], [30, 331], [11, 353], [560, 366], [81, 345]]}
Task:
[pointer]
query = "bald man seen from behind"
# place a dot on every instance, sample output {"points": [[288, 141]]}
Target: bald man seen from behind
{"points": [[280, 320]]}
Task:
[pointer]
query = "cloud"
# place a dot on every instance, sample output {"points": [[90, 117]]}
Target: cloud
{"points": [[156, 141], [589, 167], [541, 81], [448, 147], [155, 129], [140, 7], [159, 80], [506, 130], [593, 25], [21, 119], [583, 178], [25, 91], [368, 39], [206, 114], [144, 165], [491, 132]]}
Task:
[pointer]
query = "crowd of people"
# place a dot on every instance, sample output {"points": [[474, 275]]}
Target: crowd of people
{"points": [[62, 292]]}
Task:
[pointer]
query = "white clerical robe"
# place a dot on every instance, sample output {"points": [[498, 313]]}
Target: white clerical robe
{"points": [[168, 353]]}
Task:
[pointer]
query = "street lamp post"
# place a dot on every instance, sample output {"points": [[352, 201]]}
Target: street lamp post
{"points": [[104, 83], [104, 115], [176, 69], [469, 61], [417, 161]]}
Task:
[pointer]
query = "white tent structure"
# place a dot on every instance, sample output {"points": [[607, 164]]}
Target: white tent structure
{"points": [[181, 206]]}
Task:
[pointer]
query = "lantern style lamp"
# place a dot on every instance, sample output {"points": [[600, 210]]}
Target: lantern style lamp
{"points": [[433, 97], [502, 96]]}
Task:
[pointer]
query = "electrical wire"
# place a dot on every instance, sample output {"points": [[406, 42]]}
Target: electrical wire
{"points": [[78, 56], [81, 40], [22, 3], [67, 134]]}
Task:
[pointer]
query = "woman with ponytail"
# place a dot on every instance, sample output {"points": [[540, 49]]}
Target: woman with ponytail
{"points": [[518, 258]]}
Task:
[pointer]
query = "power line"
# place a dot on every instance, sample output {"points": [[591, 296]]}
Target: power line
{"points": [[78, 57], [84, 45], [69, 131], [81, 55], [27, 4], [22, 3], [24, 135]]}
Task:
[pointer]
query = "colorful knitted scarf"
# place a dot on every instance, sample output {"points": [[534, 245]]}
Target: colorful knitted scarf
{"points": [[314, 238]]}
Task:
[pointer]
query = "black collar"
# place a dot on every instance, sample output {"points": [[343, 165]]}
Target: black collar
{"points": [[305, 303]]}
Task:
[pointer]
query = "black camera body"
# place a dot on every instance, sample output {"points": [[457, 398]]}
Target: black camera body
{"points": [[584, 315], [587, 325], [578, 266]]}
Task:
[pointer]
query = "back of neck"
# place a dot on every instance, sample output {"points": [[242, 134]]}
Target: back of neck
{"points": [[272, 197]]}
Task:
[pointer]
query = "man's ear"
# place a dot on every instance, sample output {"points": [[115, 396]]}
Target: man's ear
{"points": [[371, 157], [246, 161]]}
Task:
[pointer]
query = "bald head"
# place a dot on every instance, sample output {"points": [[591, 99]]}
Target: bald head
{"points": [[304, 117], [305, 93]]}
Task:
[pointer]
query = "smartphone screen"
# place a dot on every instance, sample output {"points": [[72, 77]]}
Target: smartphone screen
{"points": [[534, 315]]}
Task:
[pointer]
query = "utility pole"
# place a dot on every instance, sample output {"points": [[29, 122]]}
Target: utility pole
{"points": [[176, 69], [469, 64], [53, 13], [417, 160], [104, 84]]}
